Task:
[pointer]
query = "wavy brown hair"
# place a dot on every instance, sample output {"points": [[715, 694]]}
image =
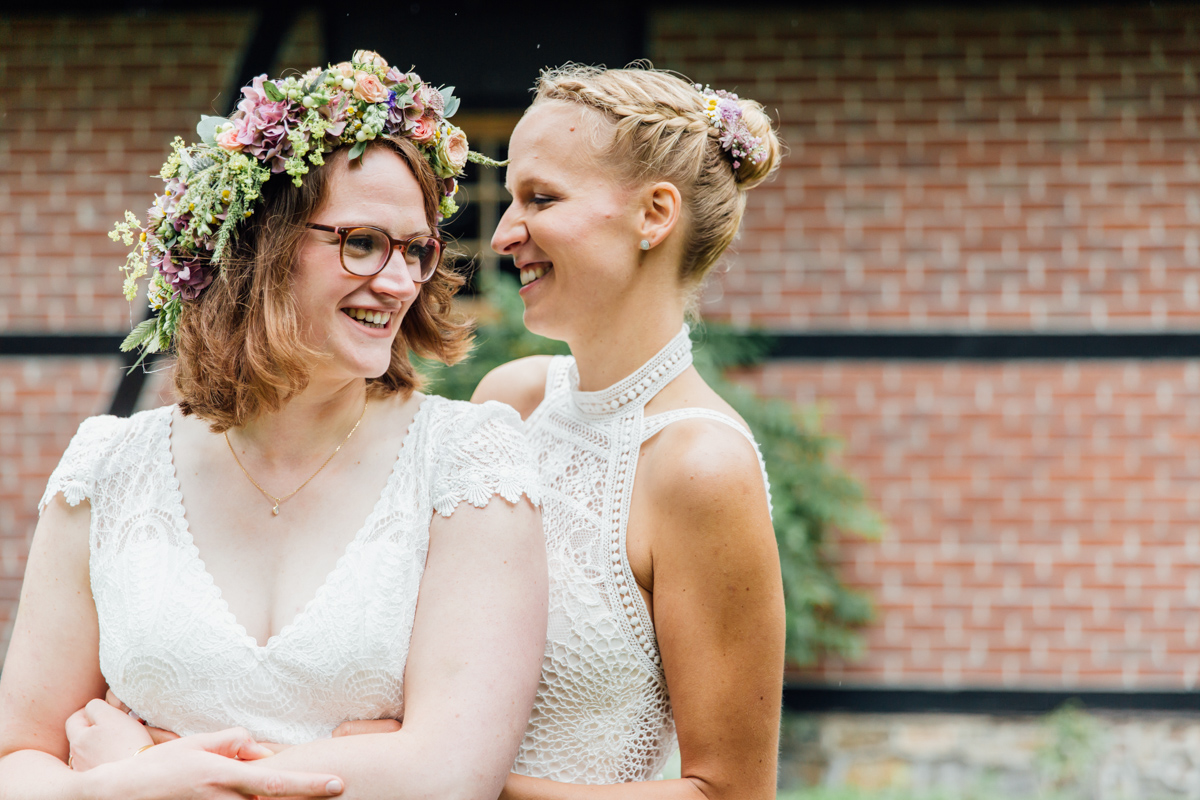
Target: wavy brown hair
{"points": [[240, 346]]}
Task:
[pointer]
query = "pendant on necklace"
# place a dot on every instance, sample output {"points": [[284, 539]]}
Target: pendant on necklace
{"points": [[275, 510]]}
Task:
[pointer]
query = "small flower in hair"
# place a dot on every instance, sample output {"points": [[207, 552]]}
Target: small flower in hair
{"points": [[725, 115], [286, 125]]}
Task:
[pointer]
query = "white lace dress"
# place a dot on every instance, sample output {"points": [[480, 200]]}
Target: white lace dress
{"points": [[169, 646], [602, 714]]}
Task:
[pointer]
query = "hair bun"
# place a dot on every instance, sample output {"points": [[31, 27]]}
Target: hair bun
{"points": [[751, 174]]}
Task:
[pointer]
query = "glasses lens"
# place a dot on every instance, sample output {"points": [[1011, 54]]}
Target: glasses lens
{"points": [[365, 251], [422, 256]]}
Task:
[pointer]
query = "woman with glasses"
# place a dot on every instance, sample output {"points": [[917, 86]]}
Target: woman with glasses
{"points": [[245, 566]]}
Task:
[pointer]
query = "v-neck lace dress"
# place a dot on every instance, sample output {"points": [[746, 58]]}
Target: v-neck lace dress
{"points": [[169, 646], [602, 713]]}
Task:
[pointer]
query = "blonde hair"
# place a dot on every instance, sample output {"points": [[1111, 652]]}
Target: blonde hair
{"points": [[240, 347], [661, 133]]}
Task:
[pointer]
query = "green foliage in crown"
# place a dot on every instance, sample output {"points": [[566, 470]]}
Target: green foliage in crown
{"points": [[282, 126]]}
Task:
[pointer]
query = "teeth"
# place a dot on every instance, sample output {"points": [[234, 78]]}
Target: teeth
{"points": [[374, 319], [531, 274]]}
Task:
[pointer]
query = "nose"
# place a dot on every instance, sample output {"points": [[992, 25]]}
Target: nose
{"points": [[511, 232], [395, 279]]}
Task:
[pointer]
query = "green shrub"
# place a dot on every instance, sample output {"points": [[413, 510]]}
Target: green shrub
{"points": [[812, 496]]}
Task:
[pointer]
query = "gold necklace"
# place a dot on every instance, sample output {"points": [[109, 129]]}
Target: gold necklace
{"points": [[278, 500]]}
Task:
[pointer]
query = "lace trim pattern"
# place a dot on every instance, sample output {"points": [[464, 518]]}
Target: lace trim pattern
{"points": [[477, 462], [75, 475], [602, 713], [639, 388], [169, 644]]}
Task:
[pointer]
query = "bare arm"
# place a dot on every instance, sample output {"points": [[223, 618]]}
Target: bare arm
{"points": [[53, 668], [472, 671], [47, 675], [718, 616], [520, 384]]}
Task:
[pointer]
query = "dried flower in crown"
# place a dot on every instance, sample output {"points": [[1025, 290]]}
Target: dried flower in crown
{"points": [[283, 125], [725, 114]]}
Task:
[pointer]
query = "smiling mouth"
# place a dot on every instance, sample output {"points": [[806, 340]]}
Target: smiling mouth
{"points": [[368, 319], [532, 273]]}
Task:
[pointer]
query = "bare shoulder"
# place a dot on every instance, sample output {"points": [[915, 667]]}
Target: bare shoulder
{"points": [[700, 471], [520, 384]]}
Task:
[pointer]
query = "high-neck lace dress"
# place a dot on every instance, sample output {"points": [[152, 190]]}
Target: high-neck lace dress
{"points": [[602, 713], [169, 646]]}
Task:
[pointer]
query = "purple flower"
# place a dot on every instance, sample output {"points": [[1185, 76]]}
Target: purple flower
{"points": [[262, 127], [397, 120], [730, 111], [187, 276]]}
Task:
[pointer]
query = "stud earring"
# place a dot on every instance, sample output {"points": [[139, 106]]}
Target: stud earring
{"points": [[645, 245]]}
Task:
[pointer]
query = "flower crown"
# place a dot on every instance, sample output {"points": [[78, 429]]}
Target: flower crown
{"points": [[725, 114], [284, 125]]}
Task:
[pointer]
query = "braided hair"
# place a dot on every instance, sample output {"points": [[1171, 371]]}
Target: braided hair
{"points": [[659, 131]]}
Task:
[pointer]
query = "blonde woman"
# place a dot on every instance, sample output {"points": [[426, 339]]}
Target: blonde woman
{"points": [[666, 604]]}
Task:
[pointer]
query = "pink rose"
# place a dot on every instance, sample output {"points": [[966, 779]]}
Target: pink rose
{"points": [[367, 87], [424, 129], [228, 139], [454, 149], [370, 58], [345, 69]]}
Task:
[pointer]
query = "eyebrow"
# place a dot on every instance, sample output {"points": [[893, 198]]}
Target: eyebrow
{"points": [[422, 232]]}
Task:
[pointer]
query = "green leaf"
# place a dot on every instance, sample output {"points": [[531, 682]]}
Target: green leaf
{"points": [[206, 129], [317, 81], [272, 91], [357, 150], [141, 333], [449, 102]]}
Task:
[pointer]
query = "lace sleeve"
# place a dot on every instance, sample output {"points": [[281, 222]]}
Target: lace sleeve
{"points": [[75, 475], [482, 452]]}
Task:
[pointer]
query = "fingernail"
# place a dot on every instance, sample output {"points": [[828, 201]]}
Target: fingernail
{"points": [[334, 786]]}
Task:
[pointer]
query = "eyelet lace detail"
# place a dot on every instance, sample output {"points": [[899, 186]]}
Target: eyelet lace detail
{"points": [[602, 713], [171, 648], [636, 390]]}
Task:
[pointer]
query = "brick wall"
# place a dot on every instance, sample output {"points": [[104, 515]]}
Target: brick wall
{"points": [[948, 171], [1043, 519], [42, 401], [88, 107], [964, 169], [996, 170]]}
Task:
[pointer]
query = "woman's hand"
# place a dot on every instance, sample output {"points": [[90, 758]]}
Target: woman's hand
{"points": [[208, 766], [99, 733], [159, 735]]}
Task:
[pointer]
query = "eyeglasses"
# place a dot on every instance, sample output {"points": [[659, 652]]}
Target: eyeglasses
{"points": [[365, 251]]}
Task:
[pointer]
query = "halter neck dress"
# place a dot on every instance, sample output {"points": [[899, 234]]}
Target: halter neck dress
{"points": [[602, 713]]}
